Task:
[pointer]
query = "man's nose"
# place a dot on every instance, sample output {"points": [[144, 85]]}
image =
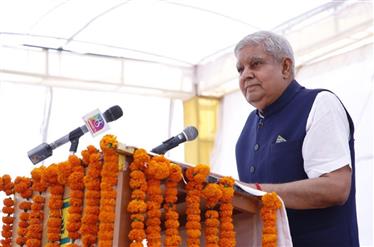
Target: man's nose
{"points": [[247, 74]]}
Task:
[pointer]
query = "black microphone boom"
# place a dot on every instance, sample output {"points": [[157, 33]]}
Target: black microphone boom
{"points": [[44, 150], [188, 134]]}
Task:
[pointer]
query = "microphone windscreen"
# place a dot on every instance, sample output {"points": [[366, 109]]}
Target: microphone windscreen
{"points": [[113, 113], [191, 133]]}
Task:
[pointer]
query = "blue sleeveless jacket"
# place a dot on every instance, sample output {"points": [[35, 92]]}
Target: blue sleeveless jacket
{"points": [[261, 160]]}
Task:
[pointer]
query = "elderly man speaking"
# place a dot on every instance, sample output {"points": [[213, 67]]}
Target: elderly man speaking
{"points": [[298, 142]]}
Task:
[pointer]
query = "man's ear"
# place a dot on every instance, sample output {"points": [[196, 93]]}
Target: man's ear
{"points": [[287, 68]]}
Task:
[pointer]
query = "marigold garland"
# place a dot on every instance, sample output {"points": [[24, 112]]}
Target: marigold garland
{"points": [[90, 219], [36, 215], [157, 169], [95, 223], [227, 232], [172, 238], [55, 203], [212, 194], [76, 186], [271, 204], [109, 174], [196, 176], [137, 206], [22, 186], [7, 186]]}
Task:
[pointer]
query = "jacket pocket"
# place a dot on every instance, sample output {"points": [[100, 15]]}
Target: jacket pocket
{"points": [[286, 161]]}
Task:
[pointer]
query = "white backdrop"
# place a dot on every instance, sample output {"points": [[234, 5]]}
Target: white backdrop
{"points": [[145, 122], [348, 75]]}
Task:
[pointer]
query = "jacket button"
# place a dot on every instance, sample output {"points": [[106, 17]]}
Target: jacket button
{"points": [[257, 147], [252, 169]]}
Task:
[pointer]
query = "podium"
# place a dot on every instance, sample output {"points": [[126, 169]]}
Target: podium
{"points": [[246, 206], [245, 213]]}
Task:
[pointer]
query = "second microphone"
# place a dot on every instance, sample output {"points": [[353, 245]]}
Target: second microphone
{"points": [[188, 134]]}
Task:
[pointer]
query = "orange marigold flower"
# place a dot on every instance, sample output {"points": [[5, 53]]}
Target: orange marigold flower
{"points": [[193, 225], [92, 194], [38, 199], [73, 227], [74, 160], [108, 143], [193, 217], [137, 225], [139, 217], [92, 210], [55, 203], [63, 172], [55, 213], [8, 220], [136, 206], [37, 206], [89, 229], [21, 184], [137, 235], [54, 222], [21, 231], [57, 189], [175, 173], [36, 173], [8, 202], [27, 193], [153, 221], [89, 240], [39, 186], [138, 194], [173, 215], [6, 234], [171, 232], [90, 219], [193, 233], [227, 226], [21, 240], [7, 227], [173, 240], [227, 181], [212, 222], [211, 231], [76, 202], [136, 244], [53, 236], [107, 227], [171, 223], [8, 210], [24, 216], [33, 242], [106, 217], [23, 224], [75, 210], [76, 193], [226, 207], [93, 185]]}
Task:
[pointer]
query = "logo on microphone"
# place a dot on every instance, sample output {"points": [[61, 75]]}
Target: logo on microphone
{"points": [[95, 122]]}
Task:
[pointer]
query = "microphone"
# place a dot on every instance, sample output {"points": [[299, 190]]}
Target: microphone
{"points": [[44, 150], [188, 134]]}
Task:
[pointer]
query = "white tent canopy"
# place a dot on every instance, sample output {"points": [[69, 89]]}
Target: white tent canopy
{"points": [[171, 48], [60, 59]]}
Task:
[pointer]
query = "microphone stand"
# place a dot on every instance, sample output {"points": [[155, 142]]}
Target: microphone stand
{"points": [[74, 145]]}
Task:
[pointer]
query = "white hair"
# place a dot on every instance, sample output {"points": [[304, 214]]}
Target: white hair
{"points": [[274, 44]]}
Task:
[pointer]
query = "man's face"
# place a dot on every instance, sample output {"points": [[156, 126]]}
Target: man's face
{"points": [[261, 78]]}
